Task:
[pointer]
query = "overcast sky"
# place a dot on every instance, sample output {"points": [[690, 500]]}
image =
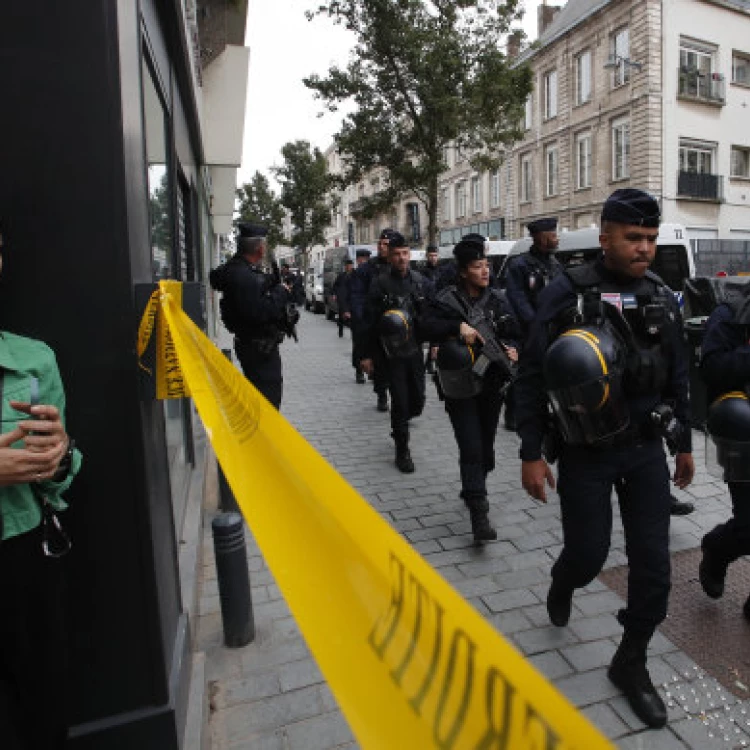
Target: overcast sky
{"points": [[285, 48]]}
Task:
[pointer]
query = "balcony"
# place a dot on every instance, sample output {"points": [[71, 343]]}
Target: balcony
{"points": [[700, 186], [701, 86]]}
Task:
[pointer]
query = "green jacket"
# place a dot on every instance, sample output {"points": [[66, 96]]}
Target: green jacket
{"points": [[23, 359]]}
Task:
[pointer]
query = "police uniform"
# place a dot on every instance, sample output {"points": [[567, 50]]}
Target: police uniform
{"points": [[254, 309], [473, 402], [725, 367], [631, 329], [394, 303], [359, 288], [341, 290], [431, 272]]}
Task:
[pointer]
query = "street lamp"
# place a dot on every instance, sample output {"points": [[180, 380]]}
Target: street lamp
{"points": [[615, 61]]}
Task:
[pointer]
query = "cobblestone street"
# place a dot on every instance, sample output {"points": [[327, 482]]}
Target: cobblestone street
{"points": [[270, 694]]}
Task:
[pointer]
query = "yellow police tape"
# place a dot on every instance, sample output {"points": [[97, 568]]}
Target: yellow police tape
{"points": [[410, 662]]}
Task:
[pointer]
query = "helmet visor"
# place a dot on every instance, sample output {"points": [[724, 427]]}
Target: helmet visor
{"points": [[591, 412]]}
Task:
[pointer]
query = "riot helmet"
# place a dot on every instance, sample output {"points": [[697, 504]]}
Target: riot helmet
{"points": [[728, 437], [583, 373], [396, 331], [455, 362]]}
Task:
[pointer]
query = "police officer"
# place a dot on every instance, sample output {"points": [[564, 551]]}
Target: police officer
{"points": [[253, 308], [294, 282], [615, 357], [725, 367], [341, 293], [431, 272], [394, 303], [359, 288], [472, 320]]}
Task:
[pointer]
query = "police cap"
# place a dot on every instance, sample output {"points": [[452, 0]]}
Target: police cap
{"points": [[474, 237], [548, 224], [632, 206], [348, 261], [431, 249], [468, 250], [386, 234], [397, 240], [248, 229], [363, 252]]}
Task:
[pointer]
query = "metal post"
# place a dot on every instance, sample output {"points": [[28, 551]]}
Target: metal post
{"points": [[233, 579]]}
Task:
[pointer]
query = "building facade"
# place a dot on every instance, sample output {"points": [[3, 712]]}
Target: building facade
{"points": [[120, 139]]}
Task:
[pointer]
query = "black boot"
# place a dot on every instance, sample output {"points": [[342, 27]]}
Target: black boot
{"points": [[360, 377], [559, 603], [481, 527], [403, 456], [628, 671], [382, 402], [474, 494], [711, 573], [679, 508]]}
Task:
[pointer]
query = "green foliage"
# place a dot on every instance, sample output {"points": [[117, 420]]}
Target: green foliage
{"points": [[423, 74], [259, 204], [305, 187]]}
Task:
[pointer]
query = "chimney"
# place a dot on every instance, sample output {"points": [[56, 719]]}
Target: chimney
{"points": [[545, 14], [513, 45]]}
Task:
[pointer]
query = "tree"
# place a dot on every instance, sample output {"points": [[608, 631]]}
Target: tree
{"points": [[259, 204], [423, 74], [305, 191]]}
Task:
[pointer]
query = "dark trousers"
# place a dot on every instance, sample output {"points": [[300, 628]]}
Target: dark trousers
{"points": [[262, 370], [406, 383], [585, 483], [731, 540], [381, 373], [474, 422], [33, 664]]}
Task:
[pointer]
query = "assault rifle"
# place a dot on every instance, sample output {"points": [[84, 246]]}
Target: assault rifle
{"points": [[492, 351]]}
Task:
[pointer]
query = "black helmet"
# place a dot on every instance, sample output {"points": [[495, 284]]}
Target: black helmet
{"points": [[396, 331], [455, 361], [583, 372], [728, 437]]}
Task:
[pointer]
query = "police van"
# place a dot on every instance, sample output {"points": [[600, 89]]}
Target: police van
{"points": [[674, 261], [333, 265]]}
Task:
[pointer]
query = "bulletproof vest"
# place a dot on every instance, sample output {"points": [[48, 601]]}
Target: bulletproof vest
{"points": [[480, 312], [643, 317], [540, 274], [398, 298]]}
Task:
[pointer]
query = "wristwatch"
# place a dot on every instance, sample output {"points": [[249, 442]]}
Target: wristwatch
{"points": [[65, 462]]}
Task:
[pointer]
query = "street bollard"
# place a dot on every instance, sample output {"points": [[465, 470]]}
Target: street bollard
{"points": [[233, 579], [227, 500]]}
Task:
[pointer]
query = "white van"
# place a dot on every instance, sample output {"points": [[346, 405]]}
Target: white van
{"points": [[674, 261]]}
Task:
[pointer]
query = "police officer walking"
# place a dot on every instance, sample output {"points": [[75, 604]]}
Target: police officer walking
{"points": [[254, 308], [394, 303], [725, 367], [341, 293], [431, 272], [478, 333], [606, 348], [359, 288]]}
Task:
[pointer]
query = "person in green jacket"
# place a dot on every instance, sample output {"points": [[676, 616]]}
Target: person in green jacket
{"points": [[38, 461]]}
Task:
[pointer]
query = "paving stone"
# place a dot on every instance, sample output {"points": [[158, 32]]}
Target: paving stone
{"points": [[299, 674], [597, 604], [662, 739], [544, 639], [606, 720], [587, 688], [593, 628], [420, 534], [505, 600], [551, 665], [319, 733], [590, 655], [510, 622]]}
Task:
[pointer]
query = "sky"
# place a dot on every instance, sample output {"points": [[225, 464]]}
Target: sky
{"points": [[285, 48]]}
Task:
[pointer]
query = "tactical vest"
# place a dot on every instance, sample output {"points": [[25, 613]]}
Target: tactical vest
{"points": [[643, 317], [540, 275], [409, 304]]}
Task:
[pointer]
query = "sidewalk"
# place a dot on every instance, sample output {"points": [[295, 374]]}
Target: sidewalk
{"points": [[270, 694]]}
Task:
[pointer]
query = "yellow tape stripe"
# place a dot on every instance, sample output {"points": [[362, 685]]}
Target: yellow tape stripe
{"points": [[410, 662], [593, 342]]}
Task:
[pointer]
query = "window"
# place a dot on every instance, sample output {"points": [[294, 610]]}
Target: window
{"points": [[583, 161], [476, 195], [550, 94], [495, 189], [583, 77], [447, 156], [740, 68], [696, 158], [740, 162], [526, 178], [697, 76], [461, 199], [620, 51], [527, 112], [446, 204], [620, 149], [550, 168]]}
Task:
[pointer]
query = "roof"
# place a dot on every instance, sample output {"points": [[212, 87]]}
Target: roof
{"points": [[571, 15]]}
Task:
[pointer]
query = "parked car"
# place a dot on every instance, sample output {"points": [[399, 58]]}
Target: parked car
{"points": [[333, 264], [314, 290]]}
